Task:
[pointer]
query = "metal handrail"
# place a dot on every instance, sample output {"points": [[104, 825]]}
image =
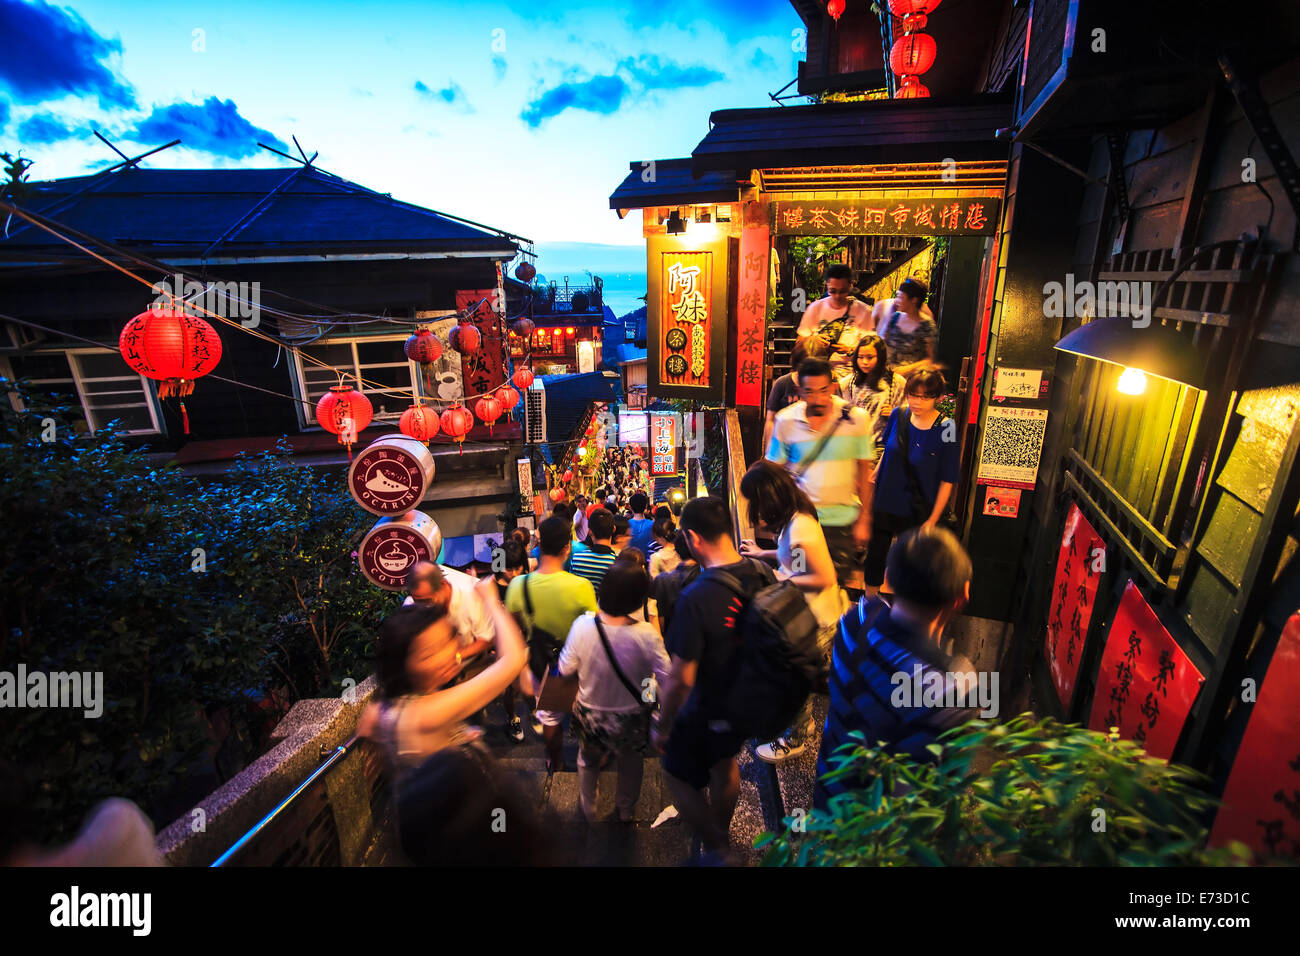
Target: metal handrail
{"points": [[339, 752]]}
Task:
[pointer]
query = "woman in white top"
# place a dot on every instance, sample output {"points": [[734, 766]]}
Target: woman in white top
{"points": [[778, 506], [666, 558], [619, 662]]}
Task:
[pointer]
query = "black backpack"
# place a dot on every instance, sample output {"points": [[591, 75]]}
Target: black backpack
{"points": [[779, 662]]}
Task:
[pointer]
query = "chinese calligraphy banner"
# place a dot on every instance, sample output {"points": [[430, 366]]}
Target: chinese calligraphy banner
{"points": [[751, 314], [663, 445], [887, 216], [1146, 685], [1074, 593], [1261, 804], [483, 370]]}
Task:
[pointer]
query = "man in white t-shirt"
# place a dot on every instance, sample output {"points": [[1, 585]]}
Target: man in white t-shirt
{"points": [[434, 584], [837, 319]]}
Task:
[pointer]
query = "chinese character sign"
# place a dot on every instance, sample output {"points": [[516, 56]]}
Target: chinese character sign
{"points": [[751, 313], [1261, 804], [892, 215], [483, 370], [1146, 685], [686, 291], [1074, 593], [663, 445]]}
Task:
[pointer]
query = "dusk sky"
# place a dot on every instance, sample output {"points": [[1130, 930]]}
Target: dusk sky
{"points": [[523, 116]]}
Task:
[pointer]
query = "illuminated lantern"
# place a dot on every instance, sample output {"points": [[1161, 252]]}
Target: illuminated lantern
{"points": [[345, 412], [911, 89], [488, 409], [456, 422], [913, 54], [508, 398], [424, 348], [914, 23], [465, 339], [172, 348], [557, 495], [419, 422], [525, 271], [835, 8], [523, 377], [910, 8], [582, 451], [568, 476], [524, 328]]}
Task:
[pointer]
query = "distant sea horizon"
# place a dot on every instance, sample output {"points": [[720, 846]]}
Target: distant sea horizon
{"points": [[621, 269]]}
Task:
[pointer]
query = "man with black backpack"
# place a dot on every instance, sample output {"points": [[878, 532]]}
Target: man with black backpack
{"points": [[744, 658]]}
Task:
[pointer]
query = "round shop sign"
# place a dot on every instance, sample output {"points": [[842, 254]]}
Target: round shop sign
{"points": [[393, 546], [390, 478]]}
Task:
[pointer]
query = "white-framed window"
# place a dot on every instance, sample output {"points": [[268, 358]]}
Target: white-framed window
{"points": [[98, 379], [377, 359]]}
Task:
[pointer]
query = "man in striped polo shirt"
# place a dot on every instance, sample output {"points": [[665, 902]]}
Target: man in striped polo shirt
{"points": [[593, 559], [880, 648], [827, 445]]}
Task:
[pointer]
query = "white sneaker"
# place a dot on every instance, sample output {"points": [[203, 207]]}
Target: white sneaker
{"points": [[778, 751]]}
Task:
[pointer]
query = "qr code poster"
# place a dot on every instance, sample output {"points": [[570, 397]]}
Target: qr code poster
{"points": [[1012, 446]]}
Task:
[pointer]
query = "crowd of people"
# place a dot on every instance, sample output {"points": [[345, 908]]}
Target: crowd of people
{"points": [[641, 626]]}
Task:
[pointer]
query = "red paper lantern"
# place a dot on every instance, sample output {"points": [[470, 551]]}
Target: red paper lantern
{"points": [[568, 476], [557, 495], [835, 8], [345, 412], [908, 8], [456, 422], [523, 377], [524, 328], [508, 398], [488, 409], [911, 89], [424, 348], [172, 348], [465, 339], [913, 54], [419, 422], [914, 23], [525, 271]]}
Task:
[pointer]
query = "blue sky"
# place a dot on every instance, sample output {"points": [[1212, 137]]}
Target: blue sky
{"points": [[524, 116]]}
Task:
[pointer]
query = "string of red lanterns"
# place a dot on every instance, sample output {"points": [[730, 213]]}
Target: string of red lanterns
{"points": [[914, 52]]}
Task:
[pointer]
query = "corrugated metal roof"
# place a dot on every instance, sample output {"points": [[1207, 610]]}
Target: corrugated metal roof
{"points": [[672, 183], [188, 210], [569, 396], [873, 131]]}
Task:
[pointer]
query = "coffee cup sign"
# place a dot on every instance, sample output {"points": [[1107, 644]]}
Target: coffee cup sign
{"points": [[391, 476], [393, 546]]}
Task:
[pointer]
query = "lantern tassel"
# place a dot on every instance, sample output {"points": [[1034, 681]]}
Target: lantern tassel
{"points": [[185, 418]]}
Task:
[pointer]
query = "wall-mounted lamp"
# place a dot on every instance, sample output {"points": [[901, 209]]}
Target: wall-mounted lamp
{"points": [[1132, 381], [676, 225]]}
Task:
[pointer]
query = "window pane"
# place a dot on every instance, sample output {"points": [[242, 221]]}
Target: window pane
{"points": [[37, 366], [395, 377], [103, 365], [336, 356], [134, 418], [381, 353]]}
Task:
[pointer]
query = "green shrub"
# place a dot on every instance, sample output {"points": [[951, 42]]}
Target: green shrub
{"points": [[1028, 792]]}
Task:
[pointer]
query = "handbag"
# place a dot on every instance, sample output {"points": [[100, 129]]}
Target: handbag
{"points": [[642, 740], [556, 693], [921, 505]]}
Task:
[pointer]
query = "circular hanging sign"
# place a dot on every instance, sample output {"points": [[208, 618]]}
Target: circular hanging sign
{"points": [[393, 546], [675, 340], [675, 365], [391, 476]]}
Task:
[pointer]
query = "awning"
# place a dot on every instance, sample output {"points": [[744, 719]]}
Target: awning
{"points": [[671, 183], [1156, 350], [870, 132]]}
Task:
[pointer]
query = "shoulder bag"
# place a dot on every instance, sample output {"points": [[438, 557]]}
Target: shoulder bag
{"points": [[556, 693], [845, 415], [641, 736]]}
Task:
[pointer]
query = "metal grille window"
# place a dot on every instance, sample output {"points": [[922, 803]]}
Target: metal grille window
{"points": [[100, 382], [377, 361]]}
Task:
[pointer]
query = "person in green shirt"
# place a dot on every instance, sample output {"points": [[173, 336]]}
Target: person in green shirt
{"points": [[558, 598]]}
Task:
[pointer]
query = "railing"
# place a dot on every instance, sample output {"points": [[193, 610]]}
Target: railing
{"points": [[736, 467], [578, 299]]}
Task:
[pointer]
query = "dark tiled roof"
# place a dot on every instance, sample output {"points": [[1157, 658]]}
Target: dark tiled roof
{"points": [[186, 211], [673, 184], [875, 131]]}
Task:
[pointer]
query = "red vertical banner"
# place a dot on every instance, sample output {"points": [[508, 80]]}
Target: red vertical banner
{"points": [[484, 370], [1074, 592], [1146, 685], [751, 307], [1261, 804], [663, 445], [687, 290]]}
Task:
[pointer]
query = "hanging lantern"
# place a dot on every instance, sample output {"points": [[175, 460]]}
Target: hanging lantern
{"points": [[508, 398], [523, 377], [456, 422], [568, 476], [913, 54], [524, 328], [488, 409], [557, 495], [419, 422], [424, 348], [345, 412], [911, 89], [914, 23], [909, 8], [835, 8], [582, 451], [465, 339], [525, 271], [172, 348]]}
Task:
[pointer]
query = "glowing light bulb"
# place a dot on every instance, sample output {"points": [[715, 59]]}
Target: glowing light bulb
{"points": [[1132, 381]]}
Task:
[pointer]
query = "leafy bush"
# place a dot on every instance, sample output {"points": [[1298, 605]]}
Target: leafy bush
{"points": [[100, 574], [1028, 792]]}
